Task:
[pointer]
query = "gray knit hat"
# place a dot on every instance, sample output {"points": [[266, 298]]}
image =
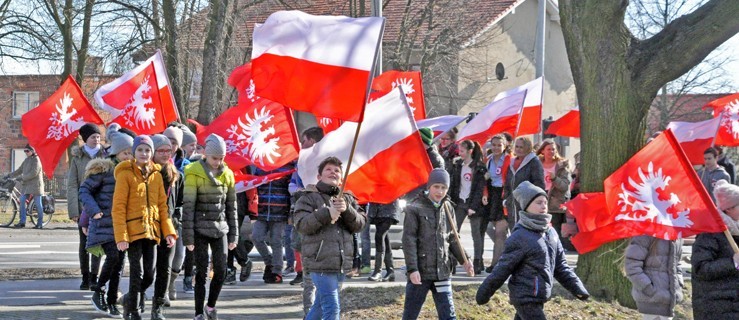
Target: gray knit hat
{"points": [[188, 137], [113, 127], [119, 142], [215, 146], [438, 175], [160, 140], [526, 192], [143, 139], [174, 133]]}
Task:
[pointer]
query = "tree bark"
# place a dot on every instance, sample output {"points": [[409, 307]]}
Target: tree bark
{"points": [[211, 59], [169, 14], [85, 42], [617, 76]]}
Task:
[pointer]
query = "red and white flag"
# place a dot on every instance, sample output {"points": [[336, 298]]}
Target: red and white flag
{"points": [[530, 122], [440, 124], [328, 124], [53, 125], [316, 64], [141, 99], [246, 182], [409, 81], [261, 133], [501, 115], [566, 126], [696, 137], [728, 107], [240, 79], [655, 193], [388, 147]]}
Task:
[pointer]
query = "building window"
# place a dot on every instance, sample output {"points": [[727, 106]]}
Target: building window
{"points": [[16, 159], [196, 84], [24, 101]]}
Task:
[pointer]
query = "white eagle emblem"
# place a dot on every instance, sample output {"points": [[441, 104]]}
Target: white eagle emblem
{"points": [[730, 121], [249, 140], [62, 124], [135, 113], [644, 204], [408, 88]]}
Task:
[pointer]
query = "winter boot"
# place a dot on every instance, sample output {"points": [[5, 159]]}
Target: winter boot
{"points": [[267, 273], [156, 309], [298, 279], [187, 285], [478, 266], [389, 276], [230, 277], [85, 285], [142, 300], [172, 289], [245, 271]]}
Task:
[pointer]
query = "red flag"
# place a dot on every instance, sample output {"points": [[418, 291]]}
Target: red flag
{"points": [[246, 182], [328, 124], [566, 126], [316, 64], [136, 103], [728, 134], [590, 210], [52, 126], [240, 79], [150, 109], [655, 193], [388, 147], [696, 137], [501, 115], [410, 82], [530, 121], [260, 133]]}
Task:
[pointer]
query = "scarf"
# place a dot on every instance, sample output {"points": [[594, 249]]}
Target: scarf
{"points": [[732, 224], [535, 222], [91, 151], [327, 189]]}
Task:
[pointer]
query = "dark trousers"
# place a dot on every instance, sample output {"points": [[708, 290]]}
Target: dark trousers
{"points": [[141, 265], [219, 248], [112, 270], [529, 311], [238, 255], [164, 266], [85, 258], [415, 296], [188, 264], [383, 252]]}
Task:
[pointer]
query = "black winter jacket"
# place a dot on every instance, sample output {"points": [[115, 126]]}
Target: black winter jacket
{"points": [[533, 260], [175, 196], [326, 247], [427, 238], [96, 195], [530, 170], [479, 181], [378, 211], [715, 278]]}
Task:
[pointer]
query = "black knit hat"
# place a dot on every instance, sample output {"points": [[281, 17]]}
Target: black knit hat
{"points": [[87, 130]]}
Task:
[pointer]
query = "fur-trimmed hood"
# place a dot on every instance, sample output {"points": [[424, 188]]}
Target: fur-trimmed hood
{"points": [[98, 165]]}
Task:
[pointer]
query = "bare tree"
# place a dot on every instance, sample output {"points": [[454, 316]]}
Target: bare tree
{"points": [[647, 18], [617, 76]]}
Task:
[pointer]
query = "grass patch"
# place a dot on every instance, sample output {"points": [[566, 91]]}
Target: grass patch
{"points": [[387, 303]]}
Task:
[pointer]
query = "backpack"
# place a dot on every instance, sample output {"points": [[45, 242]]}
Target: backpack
{"points": [[48, 203]]}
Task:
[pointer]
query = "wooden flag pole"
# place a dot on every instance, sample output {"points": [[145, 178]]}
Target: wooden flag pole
{"points": [[459, 242], [731, 240]]}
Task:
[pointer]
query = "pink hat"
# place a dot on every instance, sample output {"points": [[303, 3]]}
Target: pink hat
{"points": [[726, 194]]}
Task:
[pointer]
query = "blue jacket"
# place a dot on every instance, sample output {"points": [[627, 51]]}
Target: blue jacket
{"points": [[533, 260], [96, 195], [274, 197]]}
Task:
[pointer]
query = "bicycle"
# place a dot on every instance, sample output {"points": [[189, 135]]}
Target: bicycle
{"points": [[10, 205]]}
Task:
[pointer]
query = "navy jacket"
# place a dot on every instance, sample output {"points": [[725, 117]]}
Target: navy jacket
{"points": [[96, 195], [533, 260], [274, 197]]}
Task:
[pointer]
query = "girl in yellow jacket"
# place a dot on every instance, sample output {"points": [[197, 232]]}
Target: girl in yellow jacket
{"points": [[140, 220]]}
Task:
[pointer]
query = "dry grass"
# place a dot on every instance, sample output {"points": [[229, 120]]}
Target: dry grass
{"points": [[387, 303]]}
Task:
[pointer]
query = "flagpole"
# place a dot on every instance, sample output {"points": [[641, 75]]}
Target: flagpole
{"points": [[366, 98], [437, 138]]}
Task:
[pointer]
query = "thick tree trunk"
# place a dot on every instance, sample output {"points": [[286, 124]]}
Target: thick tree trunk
{"points": [[211, 60], [169, 14], [617, 76]]}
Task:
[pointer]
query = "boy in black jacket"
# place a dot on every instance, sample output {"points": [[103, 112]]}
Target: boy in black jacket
{"points": [[533, 257]]}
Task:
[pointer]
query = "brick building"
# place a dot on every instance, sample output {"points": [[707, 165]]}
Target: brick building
{"points": [[20, 93]]}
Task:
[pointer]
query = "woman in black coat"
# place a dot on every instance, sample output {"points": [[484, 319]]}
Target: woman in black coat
{"points": [[525, 166]]}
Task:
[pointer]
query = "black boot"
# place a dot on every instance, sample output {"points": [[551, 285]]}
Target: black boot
{"points": [[142, 300], [389, 276], [85, 285], [245, 271], [298, 279], [478, 266], [156, 309], [93, 282], [267, 273]]}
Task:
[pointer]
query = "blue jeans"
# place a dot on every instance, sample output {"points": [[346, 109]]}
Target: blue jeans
{"points": [[286, 241], [39, 209], [415, 295], [326, 305]]}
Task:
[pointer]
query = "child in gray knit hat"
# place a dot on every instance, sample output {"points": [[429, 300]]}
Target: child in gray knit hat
{"points": [[427, 242], [531, 252]]}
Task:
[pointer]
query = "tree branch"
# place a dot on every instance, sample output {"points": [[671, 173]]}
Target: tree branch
{"points": [[683, 43]]}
